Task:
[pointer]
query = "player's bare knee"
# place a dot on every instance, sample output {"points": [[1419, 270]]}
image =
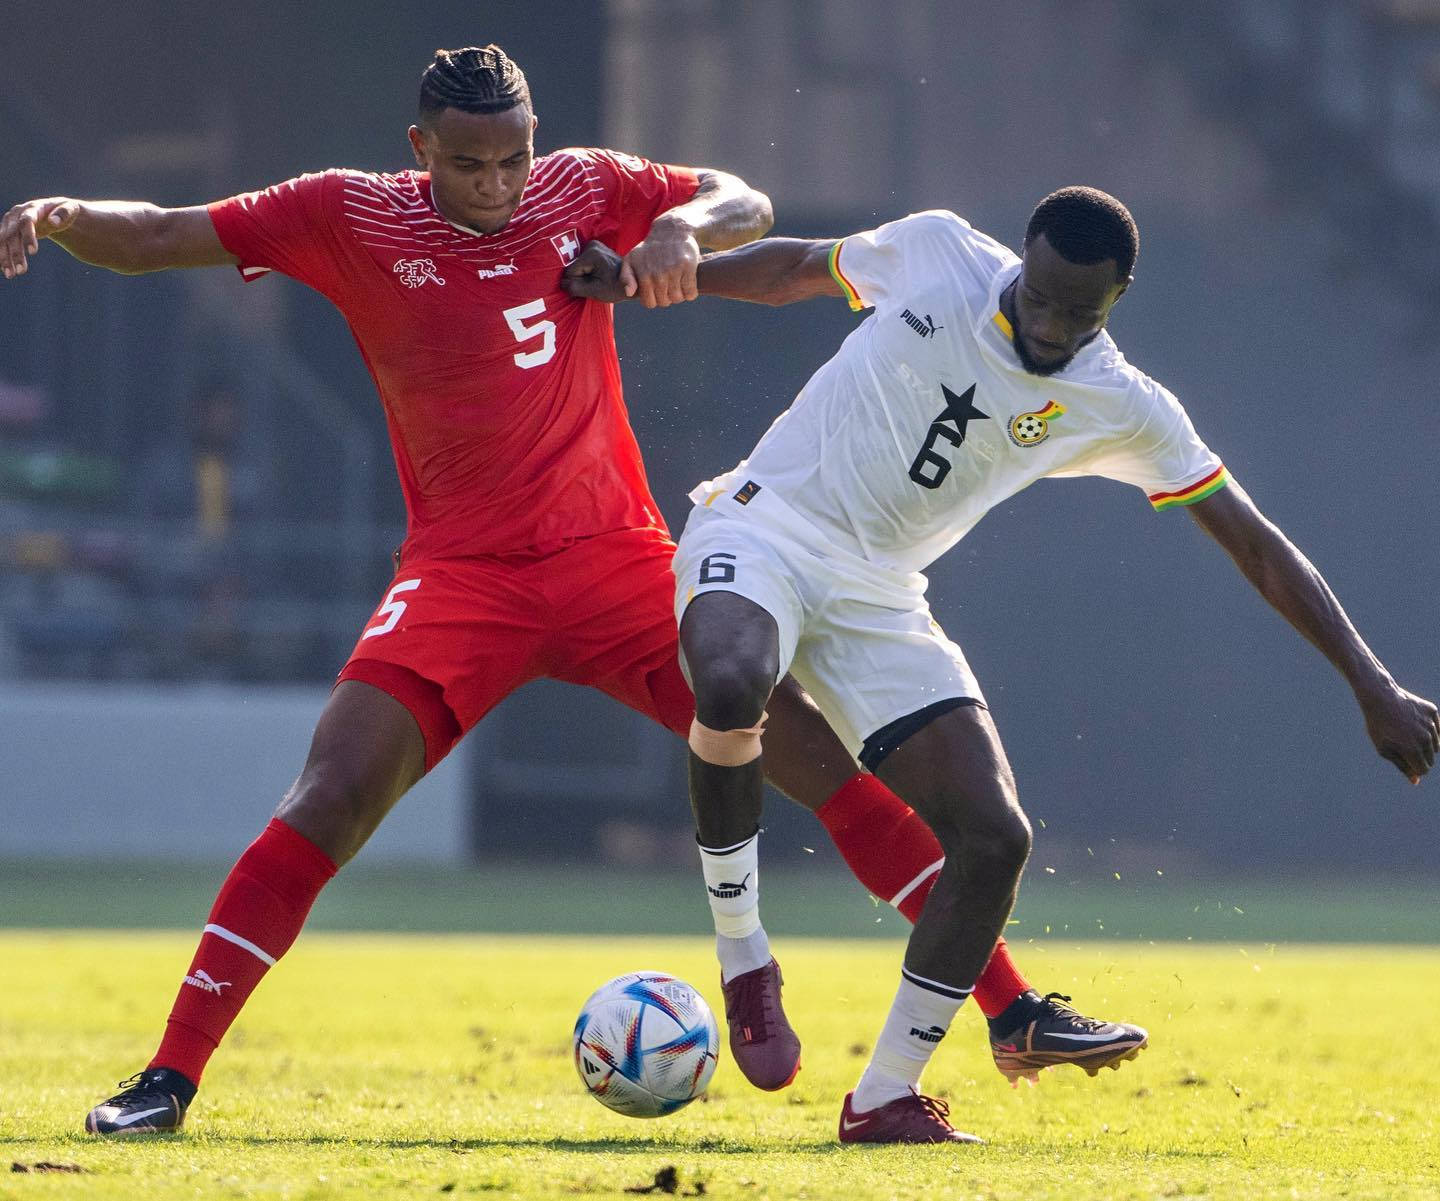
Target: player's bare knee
{"points": [[334, 812], [730, 693], [998, 845], [987, 829]]}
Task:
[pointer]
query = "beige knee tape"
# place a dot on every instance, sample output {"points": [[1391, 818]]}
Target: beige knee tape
{"points": [[726, 748]]}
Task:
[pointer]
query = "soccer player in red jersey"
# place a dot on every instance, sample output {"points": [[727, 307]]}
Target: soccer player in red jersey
{"points": [[533, 547]]}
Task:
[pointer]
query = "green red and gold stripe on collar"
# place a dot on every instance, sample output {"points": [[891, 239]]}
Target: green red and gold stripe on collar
{"points": [[1199, 490], [1004, 324], [852, 296]]}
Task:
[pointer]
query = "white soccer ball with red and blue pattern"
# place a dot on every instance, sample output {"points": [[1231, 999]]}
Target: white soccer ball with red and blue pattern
{"points": [[646, 1044]]}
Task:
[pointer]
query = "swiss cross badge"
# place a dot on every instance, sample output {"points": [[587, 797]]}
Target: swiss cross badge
{"points": [[567, 246]]}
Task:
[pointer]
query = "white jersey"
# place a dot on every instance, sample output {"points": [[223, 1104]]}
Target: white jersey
{"points": [[924, 419]]}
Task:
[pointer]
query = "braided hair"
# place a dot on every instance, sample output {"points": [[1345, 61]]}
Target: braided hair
{"points": [[1086, 225], [475, 79]]}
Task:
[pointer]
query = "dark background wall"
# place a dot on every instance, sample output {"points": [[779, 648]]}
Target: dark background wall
{"points": [[1146, 695]]}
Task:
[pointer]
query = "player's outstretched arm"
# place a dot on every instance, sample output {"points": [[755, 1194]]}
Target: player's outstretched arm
{"points": [[771, 271], [120, 235], [774, 271], [1404, 727], [724, 212]]}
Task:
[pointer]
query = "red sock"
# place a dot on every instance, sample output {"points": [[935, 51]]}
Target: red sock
{"points": [[257, 916], [893, 853]]}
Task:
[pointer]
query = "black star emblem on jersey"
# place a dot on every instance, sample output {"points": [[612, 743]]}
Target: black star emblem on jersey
{"points": [[960, 409]]}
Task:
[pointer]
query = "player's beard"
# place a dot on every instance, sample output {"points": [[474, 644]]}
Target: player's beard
{"points": [[1036, 368]]}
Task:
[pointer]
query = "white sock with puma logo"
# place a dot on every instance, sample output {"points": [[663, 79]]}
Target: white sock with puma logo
{"points": [[732, 883]]}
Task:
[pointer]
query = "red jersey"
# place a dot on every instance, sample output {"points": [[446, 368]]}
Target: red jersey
{"points": [[501, 391]]}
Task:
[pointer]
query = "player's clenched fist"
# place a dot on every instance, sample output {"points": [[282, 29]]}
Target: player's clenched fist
{"points": [[24, 225], [663, 266], [598, 273], [1405, 729]]}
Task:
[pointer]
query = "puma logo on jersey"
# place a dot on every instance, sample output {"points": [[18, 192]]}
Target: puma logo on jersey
{"points": [[925, 327], [414, 272], [497, 270]]}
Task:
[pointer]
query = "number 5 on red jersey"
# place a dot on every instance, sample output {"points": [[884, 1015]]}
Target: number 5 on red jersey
{"points": [[392, 610]]}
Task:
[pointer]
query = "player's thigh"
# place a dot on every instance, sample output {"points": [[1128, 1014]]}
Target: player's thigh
{"points": [[614, 598], [954, 772], [872, 657], [804, 757], [752, 576], [450, 640], [366, 753], [621, 639]]}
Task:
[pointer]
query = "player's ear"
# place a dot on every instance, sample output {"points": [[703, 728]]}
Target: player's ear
{"points": [[417, 144]]}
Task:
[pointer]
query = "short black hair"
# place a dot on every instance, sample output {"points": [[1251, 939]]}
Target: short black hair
{"points": [[1086, 225], [474, 79]]}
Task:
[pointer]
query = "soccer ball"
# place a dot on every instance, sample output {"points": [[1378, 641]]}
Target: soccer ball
{"points": [[646, 1044]]}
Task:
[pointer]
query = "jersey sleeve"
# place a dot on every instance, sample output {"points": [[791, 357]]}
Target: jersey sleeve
{"points": [[873, 266], [1165, 458], [287, 227], [636, 191]]}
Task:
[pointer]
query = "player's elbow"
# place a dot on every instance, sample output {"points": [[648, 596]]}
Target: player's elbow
{"points": [[764, 218], [748, 214]]}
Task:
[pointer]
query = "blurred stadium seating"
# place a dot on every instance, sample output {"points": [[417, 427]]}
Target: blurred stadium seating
{"points": [[1283, 160]]}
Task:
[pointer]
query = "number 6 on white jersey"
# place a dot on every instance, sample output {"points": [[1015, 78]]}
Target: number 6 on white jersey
{"points": [[515, 319], [392, 609]]}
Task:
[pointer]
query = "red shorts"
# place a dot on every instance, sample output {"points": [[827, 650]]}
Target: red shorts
{"points": [[454, 637]]}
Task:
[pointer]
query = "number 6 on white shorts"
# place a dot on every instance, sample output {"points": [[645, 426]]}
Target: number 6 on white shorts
{"points": [[392, 609]]}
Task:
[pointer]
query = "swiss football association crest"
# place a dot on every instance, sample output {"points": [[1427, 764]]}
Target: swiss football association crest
{"points": [[567, 245], [1031, 429], [414, 272]]}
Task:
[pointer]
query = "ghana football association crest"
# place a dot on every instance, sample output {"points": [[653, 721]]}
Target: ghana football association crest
{"points": [[1031, 429]]}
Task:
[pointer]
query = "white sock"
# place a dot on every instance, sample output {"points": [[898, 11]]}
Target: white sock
{"points": [[919, 1017], [740, 955], [732, 882]]}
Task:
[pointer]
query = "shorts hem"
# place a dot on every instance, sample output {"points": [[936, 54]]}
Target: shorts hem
{"points": [[891, 736]]}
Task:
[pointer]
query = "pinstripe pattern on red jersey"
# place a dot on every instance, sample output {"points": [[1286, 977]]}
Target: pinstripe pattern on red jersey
{"points": [[390, 212]]}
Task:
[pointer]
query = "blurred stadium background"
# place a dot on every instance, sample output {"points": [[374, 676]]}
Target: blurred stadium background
{"points": [[197, 500]]}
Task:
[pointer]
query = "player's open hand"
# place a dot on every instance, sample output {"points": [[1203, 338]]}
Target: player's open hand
{"points": [[598, 273], [22, 228], [664, 264], [1404, 728]]}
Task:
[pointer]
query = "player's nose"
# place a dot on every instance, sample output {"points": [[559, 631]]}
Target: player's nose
{"points": [[1055, 335], [489, 187]]}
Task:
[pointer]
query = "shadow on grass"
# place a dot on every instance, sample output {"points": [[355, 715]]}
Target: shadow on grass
{"points": [[597, 1146]]}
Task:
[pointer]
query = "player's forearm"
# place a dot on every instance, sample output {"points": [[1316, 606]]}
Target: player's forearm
{"points": [[114, 234], [772, 271], [1298, 592], [133, 237], [724, 212]]}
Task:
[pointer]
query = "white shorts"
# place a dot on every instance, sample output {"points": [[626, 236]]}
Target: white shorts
{"points": [[858, 637]]}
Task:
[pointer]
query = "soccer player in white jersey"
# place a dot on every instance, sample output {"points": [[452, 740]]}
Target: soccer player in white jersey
{"points": [[976, 374]]}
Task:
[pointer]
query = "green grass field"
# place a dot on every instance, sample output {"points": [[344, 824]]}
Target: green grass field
{"points": [[413, 1066]]}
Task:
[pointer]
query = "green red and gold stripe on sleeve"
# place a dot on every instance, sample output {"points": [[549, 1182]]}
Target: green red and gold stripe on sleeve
{"points": [[852, 295], [1199, 490]]}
